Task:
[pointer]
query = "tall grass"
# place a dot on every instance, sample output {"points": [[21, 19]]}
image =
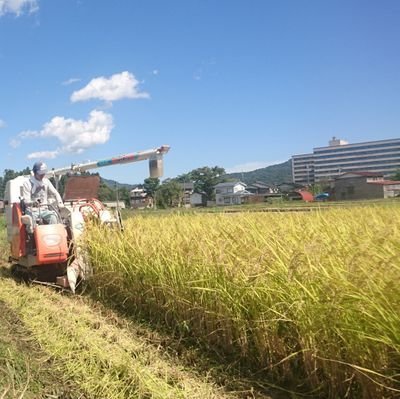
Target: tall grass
{"points": [[307, 301]]}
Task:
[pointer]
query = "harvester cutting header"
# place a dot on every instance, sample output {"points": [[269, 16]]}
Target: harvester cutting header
{"points": [[44, 232]]}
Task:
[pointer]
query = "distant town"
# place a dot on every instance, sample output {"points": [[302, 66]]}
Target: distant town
{"points": [[338, 172]]}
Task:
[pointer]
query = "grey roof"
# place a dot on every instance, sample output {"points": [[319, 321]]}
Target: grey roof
{"points": [[361, 173], [242, 192], [259, 185], [230, 184]]}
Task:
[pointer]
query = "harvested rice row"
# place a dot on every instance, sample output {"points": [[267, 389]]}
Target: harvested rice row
{"points": [[26, 371], [103, 360]]}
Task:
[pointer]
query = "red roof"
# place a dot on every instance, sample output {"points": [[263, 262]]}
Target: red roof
{"points": [[385, 182], [367, 174]]}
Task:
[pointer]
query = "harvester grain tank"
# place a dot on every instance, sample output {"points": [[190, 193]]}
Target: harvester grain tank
{"points": [[51, 253]]}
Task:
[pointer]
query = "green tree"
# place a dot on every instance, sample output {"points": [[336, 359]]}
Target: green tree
{"points": [[184, 178], [169, 194], [151, 185], [315, 188], [206, 178], [106, 193], [123, 195], [396, 176]]}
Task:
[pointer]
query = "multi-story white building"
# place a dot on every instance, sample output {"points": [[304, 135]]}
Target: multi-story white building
{"points": [[326, 163], [303, 168]]}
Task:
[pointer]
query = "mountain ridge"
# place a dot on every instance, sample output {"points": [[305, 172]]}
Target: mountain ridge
{"points": [[273, 175]]}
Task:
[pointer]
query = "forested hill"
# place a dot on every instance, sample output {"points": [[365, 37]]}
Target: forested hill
{"points": [[112, 184], [274, 174]]}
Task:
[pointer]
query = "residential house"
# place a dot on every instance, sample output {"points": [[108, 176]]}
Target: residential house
{"points": [[231, 193], [390, 188], [262, 192], [139, 199], [363, 185], [198, 199], [191, 198], [289, 187], [260, 188]]}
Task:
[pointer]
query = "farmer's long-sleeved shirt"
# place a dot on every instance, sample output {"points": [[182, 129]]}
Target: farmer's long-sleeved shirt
{"points": [[34, 190]]}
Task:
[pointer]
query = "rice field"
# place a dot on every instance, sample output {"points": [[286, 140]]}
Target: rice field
{"points": [[309, 302], [54, 345]]}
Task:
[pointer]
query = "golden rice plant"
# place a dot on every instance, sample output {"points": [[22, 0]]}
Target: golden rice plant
{"points": [[309, 301]]}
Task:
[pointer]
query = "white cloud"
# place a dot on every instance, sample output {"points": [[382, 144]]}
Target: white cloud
{"points": [[2, 123], [28, 133], [155, 72], [249, 166], [18, 6], [43, 154], [74, 135], [117, 87], [70, 81]]}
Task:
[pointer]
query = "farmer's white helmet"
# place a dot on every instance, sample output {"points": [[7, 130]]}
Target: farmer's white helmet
{"points": [[40, 168]]}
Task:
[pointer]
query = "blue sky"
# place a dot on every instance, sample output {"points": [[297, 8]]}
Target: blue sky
{"points": [[238, 84]]}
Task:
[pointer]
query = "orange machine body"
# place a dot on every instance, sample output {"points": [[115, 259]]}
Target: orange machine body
{"points": [[18, 233], [50, 240], [51, 243]]}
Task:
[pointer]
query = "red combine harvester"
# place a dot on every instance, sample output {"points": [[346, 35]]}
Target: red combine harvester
{"points": [[51, 254]]}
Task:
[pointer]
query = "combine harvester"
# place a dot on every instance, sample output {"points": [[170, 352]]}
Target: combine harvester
{"points": [[50, 253]]}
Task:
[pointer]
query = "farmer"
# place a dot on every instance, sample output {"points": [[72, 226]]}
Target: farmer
{"points": [[38, 193]]}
